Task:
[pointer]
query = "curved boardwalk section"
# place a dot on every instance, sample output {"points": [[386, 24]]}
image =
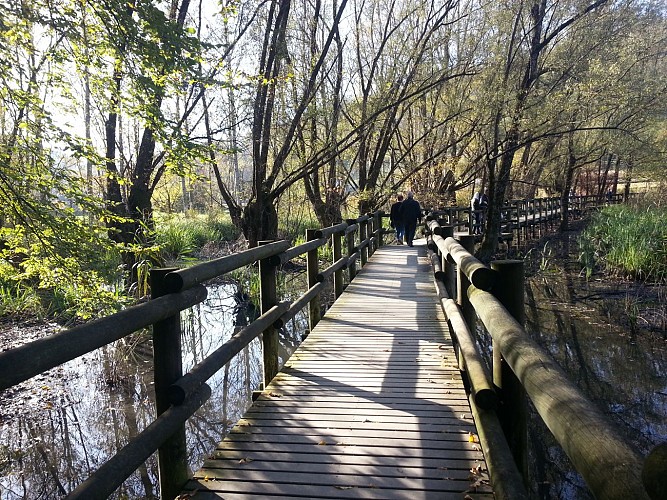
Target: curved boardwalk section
{"points": [[371, 405]]}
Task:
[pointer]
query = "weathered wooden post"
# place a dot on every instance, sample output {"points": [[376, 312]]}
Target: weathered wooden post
{"points": [[336, 241], [380, 230], [372, 227], [349, 236], [268, 298], [167, 369], [447, 263], [363, 234], [462, 284], [312, 264], [512, 412]]}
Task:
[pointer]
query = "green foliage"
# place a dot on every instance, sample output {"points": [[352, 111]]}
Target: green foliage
{"points": [[627, 241], [18, 301], [55, 287], [48, 247]]}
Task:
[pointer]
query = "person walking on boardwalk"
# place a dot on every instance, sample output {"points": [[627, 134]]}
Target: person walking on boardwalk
{"points": [[395, 219], [478, 205], [410, 212], [475, 214]]}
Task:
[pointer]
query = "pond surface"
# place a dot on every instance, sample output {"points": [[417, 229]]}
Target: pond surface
{"points": [[58, 428], [622, 368]]}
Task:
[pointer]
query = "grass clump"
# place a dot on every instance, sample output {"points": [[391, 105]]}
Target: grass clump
{"points": [[627, 241], [182, 238]]}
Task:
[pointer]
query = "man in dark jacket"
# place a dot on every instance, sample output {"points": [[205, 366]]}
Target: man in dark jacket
{"points": [[410, 212], [396, 221]]}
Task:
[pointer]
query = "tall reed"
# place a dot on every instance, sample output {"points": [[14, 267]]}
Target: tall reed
{"points": [[627, 241]]}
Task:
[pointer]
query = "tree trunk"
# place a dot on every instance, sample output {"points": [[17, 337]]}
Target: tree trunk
{"points": [[260, 221]]}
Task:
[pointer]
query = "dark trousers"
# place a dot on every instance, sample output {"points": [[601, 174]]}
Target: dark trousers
{"points": [[410, 229]]}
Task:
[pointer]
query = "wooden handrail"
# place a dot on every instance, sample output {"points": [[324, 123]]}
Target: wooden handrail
{"points": [[205, 369], [328, 231], [608, 464], [175, 291], [518, 217], [298, 250], [610, 467], [185, 278], [28, 360]]}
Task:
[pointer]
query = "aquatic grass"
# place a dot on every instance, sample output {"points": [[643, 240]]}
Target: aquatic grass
{"points": [[18, 300], [627, 241], [540, 260], [180, 238]]}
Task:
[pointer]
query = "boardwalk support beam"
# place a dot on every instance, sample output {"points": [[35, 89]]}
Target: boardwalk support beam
{"points": [[513, 413], [608, 464], [268, 299], [168, 368], [312, 263]]}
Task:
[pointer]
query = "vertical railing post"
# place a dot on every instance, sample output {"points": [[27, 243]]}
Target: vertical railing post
{"points": [[312, 264], [268, 297], [513, 412], [363, 234], [380, 230], [517, 208], [336, 241], [462, 284], [168, 368], [371, 227], [447, 263], [352, 265]]}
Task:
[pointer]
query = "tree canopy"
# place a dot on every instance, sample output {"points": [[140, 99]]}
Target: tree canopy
{"points": [[337, 102]]}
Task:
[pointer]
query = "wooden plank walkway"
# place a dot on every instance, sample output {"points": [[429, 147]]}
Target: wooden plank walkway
{"points": [[371, 405]]}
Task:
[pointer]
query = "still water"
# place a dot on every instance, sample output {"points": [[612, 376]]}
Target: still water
{"points": [[58, 428], [623, 371], [71, 420]]}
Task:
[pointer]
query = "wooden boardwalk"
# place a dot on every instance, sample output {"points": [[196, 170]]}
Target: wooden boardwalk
{"points": [[371, 405]]}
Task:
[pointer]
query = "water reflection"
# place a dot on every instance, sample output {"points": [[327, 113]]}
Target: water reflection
{"points": [[624, 373], [72, 419]]}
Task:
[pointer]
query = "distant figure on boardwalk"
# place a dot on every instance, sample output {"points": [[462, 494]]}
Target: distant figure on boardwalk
{"points": [[410, 211], [478, 206], [396, 221]]}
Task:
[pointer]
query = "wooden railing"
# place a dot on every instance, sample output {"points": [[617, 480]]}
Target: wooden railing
{"points": [[178, 395], [522, 219], [468, 290]]}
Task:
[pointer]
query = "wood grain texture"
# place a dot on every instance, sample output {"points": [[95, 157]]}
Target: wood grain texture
{"points": [[371, 405]]}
